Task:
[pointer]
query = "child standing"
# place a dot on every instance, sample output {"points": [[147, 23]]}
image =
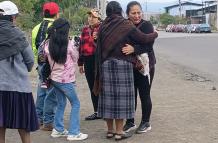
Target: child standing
{"points": [[62, 57]]}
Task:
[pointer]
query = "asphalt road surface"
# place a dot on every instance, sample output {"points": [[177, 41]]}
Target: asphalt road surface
{"points": [[197, 52]]}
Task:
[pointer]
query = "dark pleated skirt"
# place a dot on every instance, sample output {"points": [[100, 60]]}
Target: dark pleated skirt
{"points": [[117, 99], [17, 111]]}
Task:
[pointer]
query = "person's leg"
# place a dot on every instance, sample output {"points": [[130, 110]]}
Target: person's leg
{"points": [[146, 104], [74, 123], [61, 104], [110, 125], [120, 134], [110, 128], [119, 126], [151, 72], [89, 67], [130, 123], [50, 104], [41, 94], [144, 94], [2, 135], [24, 135]]}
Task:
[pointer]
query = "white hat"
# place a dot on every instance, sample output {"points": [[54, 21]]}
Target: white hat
{"points": [[8, 8]]}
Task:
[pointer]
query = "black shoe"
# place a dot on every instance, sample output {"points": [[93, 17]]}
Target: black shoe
{"points": [[143, 127], [92, 117], [129, 126]]}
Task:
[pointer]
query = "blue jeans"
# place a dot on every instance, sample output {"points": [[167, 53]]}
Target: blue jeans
{"points": [[45, 104], [63, 91]]}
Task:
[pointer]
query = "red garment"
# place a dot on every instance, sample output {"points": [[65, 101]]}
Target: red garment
{"points": [[87, 43]]}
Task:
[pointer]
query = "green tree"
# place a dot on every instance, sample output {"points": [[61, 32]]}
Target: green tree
{"points": [[153, 20], [73, 10], [166, 19]]}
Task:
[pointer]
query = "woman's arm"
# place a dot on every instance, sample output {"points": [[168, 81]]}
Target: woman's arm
{"points": [[141, 38], [28, 57]]}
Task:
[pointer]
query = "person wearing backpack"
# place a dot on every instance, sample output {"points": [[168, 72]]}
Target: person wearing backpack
{"points": [[45, 105]]}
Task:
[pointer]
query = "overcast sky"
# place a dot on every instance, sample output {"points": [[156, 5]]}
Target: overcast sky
{"points": [[158, 1], [155, 5]]}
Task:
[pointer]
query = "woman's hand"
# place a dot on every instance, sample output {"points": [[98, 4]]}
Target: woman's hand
{"points": [[95, 35], [128, 49], [81, 69]]}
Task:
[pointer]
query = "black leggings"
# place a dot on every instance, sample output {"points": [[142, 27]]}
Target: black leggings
{"points": [[89, 67], [142, 85]]}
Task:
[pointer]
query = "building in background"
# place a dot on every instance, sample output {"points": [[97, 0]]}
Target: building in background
{"points": [[196, 13], [176, 9]]}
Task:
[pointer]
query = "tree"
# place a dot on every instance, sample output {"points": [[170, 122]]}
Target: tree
{"points": [[166, 19], [73, 10], [153, 20]]}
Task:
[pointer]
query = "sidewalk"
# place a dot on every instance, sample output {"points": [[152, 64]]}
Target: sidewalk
{"points": [[184, 111]]}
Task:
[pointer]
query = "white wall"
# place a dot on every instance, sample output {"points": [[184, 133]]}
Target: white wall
{"points": [[175, 11]]}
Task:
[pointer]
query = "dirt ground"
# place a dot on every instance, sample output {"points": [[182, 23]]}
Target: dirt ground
{"points": [[184, 110]]}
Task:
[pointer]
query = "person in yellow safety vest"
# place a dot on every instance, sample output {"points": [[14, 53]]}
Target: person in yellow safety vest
{"points": [[45, 105]]}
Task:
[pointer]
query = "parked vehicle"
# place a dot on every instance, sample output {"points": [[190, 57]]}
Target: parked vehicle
{"points": [[203, 28]]}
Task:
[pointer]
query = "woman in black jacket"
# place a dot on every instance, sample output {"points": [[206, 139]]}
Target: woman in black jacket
{"points": [[142, 83]]}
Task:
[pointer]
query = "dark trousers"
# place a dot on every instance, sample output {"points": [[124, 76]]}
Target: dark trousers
{"points": [[89, 67], [151, 72], [142, 85]]}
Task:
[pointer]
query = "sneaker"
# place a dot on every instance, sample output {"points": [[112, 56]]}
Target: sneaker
{"points": [[78, 137], [129, 126], [56, 134], [92, 117], [47, 127], [143, 127]]}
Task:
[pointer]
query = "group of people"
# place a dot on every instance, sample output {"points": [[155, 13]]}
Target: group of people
{"points": [[109, 53]]}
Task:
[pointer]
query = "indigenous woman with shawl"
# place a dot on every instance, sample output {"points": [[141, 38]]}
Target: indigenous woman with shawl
{"points": [[115, 69]]}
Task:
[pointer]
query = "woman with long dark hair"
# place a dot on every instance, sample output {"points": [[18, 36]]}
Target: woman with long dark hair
{"points": [[115, 69], [141, 82], [62, 57]]}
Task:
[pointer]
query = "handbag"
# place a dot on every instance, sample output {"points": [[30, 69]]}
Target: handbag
{"points": [[46, 72]]}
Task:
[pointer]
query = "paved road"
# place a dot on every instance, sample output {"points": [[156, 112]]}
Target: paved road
{"points": [[195, 51]]}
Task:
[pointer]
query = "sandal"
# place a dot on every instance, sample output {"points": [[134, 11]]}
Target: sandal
{"points": [[119, 137], [110, 135]]}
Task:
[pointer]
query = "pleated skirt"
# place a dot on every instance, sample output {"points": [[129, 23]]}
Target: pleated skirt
{"points": [[17, 111], [117, 99]]}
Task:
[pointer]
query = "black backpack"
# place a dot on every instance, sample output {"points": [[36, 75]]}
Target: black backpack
{"points": [[41, 35]]}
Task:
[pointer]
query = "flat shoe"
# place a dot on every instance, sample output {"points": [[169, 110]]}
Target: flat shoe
{"points": [[110, 135], [119, 137]]}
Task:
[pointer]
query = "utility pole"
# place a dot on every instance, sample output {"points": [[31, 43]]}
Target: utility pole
{"points": [[98, 4], [180, 8], [146, 9], [217, 15], [102, 8]]}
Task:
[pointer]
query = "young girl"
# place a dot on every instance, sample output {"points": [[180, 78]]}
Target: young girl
{"points": [[62, 57]]}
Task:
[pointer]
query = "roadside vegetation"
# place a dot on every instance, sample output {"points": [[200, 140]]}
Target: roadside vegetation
{"points": [[74, 10]]}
